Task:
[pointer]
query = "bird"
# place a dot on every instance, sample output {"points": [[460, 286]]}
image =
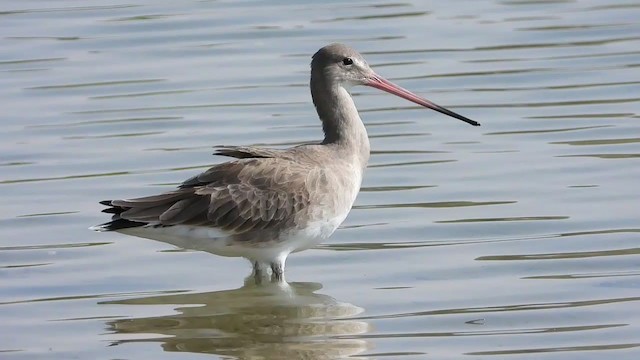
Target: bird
{"points": [[267, 203]]}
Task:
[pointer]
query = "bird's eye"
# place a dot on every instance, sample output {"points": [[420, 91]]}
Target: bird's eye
{"points": [[347, 61]]}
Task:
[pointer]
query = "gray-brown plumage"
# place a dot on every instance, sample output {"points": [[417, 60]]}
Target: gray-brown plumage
{"points": [[254, 200], [254, 193], [268, 203]]}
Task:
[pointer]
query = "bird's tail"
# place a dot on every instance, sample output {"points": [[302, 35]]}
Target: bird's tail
{"points": [[116, 223]]}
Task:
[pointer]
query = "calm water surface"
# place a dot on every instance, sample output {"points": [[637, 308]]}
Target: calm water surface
{"points": [[518, 239]]}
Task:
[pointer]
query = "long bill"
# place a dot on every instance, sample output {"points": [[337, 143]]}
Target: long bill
{"points": [[383, 84]]}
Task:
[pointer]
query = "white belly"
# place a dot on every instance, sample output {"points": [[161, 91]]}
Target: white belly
{"points": [[315, 233]]}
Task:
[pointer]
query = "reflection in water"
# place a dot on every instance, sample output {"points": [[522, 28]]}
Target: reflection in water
{"points": [[270, 321]]}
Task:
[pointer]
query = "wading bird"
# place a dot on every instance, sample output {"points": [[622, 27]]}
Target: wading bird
{"points": [[268, 203]]}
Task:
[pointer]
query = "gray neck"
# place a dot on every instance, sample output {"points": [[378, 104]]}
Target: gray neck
{"points": [[341, 122]]}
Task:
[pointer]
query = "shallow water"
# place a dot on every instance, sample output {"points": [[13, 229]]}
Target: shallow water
{"points": [[518, 239]]}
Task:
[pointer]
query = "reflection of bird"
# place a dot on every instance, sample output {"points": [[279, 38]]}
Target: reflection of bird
{"points": [[269, 321], [269, 203]]}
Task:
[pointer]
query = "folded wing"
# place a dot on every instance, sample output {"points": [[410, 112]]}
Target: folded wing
{"points": [[238, 196]]}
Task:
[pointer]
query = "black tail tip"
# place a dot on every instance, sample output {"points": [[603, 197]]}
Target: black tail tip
{"points": [[113, 210], [117, 224]]}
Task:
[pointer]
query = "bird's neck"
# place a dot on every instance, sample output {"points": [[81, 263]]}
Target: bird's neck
{"points": [[341, 123]]}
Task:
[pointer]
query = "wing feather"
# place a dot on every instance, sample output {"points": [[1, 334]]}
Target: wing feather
{"points": [[238, 196], [244, 152], [184, 210]]}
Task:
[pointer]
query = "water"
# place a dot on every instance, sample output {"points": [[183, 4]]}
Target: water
{"points": [[518, 239]]}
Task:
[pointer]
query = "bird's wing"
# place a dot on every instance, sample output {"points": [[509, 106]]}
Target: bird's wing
{"points": [[237, 196], [244, 152]]}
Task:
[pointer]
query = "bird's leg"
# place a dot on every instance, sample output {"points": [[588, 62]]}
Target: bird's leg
{"points": [[277, 270], [259, 271]]}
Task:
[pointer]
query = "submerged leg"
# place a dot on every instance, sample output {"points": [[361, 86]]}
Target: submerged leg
{"points": [[259, 271], [277, 270]]}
